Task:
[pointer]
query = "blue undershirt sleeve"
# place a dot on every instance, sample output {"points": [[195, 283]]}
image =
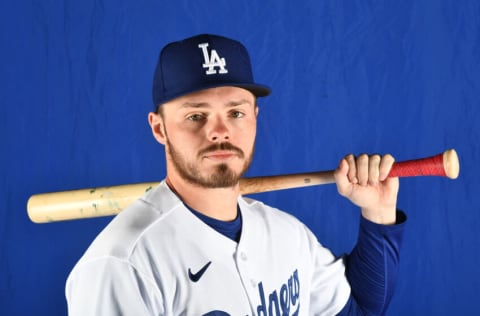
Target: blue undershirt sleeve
{"points": [[372, 267]]}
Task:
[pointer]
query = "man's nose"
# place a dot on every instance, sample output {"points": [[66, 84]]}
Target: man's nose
{"points": [[219, 130]]}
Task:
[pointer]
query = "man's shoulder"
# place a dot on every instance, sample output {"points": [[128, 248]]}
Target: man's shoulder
{"points": [[120, 237]]}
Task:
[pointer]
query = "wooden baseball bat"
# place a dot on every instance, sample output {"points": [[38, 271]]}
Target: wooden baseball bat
{"points": [[105, 201]]}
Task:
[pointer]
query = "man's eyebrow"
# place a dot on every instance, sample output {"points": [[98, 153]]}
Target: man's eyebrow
{"points": [[187, 105], [239, 102], [194, 105]]}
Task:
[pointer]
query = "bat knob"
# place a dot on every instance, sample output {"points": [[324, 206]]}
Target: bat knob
{"points": [[451, 164]]}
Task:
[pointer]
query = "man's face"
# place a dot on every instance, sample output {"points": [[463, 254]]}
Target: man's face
{"points": [[209, 136]]}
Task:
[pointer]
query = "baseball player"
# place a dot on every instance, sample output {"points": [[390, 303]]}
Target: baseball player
{"points": [[194, 246]]}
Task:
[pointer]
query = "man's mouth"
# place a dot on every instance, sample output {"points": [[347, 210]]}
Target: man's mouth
{"points": [[220, 155], [221, 152]]}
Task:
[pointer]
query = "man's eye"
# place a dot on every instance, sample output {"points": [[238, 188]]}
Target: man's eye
{"points": [[195, 117], [237, 114]]}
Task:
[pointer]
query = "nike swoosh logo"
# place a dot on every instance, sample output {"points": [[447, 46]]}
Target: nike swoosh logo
{"points": [[194, 277]]}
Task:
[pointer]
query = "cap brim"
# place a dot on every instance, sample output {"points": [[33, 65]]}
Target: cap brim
{"points": [[257, 90]]}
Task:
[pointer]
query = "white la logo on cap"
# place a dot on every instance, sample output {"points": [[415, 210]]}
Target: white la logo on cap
{"points": [[212, 61]]}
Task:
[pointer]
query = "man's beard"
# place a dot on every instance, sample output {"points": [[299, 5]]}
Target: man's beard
{"points": [[222, 176]]}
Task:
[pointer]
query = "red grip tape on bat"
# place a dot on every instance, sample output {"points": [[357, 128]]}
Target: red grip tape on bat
{"points": [[445, 164]]}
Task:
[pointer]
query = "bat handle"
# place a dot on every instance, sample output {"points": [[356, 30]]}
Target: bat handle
{"points": [[445, 164]]}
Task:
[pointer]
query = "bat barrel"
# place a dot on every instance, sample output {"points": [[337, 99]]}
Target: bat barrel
{"points": [[84, 203]]}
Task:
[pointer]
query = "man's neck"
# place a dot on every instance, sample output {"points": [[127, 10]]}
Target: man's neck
{"points": [[220, 203]]}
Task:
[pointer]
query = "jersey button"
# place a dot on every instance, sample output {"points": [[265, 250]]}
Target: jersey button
{"points": [[243, 256]]}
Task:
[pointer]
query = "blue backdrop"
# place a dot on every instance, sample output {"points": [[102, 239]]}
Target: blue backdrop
{"points": [[348, 76]]}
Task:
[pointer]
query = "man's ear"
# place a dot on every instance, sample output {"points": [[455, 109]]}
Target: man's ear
{"points": [[158, 127]]}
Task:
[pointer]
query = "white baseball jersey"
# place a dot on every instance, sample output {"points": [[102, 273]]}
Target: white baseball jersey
{"points": [[157, 258]]}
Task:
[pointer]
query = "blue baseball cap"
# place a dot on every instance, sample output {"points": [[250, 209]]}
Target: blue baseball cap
{"points": [[202, 62]]}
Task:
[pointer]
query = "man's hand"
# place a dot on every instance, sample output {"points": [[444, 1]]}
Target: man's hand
{"points": [[363, 180]]}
